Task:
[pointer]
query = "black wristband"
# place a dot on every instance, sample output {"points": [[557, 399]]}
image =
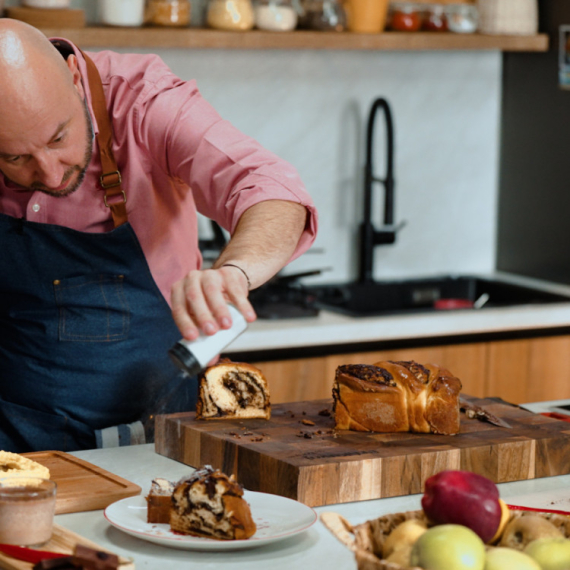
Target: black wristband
{"points": [[238, 267]]}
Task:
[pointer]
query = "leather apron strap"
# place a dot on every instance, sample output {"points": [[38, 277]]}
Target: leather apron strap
{"points": [[110, 179]]}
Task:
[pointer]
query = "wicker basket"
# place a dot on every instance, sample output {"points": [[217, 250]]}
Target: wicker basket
{"points": [[508, 17], [367, 539]]}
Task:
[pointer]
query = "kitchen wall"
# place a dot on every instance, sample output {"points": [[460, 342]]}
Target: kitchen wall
{"points": [[310, 107]]}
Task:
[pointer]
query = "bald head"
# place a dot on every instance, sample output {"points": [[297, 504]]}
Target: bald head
{"points": [[45, 136], [29, 63]]}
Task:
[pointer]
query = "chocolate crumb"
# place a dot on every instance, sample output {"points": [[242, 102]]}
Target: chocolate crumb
{"points": [[304, 413], [325, 412], [308, 435], [256, 439], [292, 415]]}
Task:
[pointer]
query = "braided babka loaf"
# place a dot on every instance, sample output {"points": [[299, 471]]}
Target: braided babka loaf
{"points": [[211, 504], [232, 390], [396, 396]]}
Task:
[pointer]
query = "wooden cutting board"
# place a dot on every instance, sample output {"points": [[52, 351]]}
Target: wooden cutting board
{"points": [[63, 541], [329, 467], [82, 486]]}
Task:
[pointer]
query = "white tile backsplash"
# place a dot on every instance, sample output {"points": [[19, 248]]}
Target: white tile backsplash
{"points": [[310, 107]]}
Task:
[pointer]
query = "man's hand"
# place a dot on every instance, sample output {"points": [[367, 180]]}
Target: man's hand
{"points": [[200, 300], [263, 242]]}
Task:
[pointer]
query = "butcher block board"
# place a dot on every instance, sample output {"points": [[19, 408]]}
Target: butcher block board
{"points": [[63, 541], [82, 486], [276, 456]]}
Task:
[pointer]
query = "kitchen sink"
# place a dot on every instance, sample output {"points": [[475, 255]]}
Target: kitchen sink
{"points": [[423, 295]]}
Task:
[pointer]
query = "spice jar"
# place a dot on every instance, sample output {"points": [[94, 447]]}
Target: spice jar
{"points": [[275, 15], [323, 15], [406, 17], [168, 12], [434, 19], [462, 18], [234, 15]]}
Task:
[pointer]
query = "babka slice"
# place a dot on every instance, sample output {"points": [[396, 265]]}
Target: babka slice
{"points": [[159, 501], [232, 390], [211, 504]]}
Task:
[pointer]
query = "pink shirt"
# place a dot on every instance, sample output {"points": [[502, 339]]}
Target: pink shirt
{"points": [[176, 156]]}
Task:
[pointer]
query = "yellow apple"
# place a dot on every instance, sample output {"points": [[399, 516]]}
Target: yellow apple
{"points": [[503, 558], [550, 553], [405, 534], [449, 546]]}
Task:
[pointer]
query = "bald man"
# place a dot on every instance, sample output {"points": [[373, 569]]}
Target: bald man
{"points": [[104, 161]]}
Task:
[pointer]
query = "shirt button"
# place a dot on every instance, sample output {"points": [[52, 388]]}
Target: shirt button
{"points": [[36, 207]]}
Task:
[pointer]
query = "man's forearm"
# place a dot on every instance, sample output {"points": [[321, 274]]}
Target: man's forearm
{"points": [[265, 239]]}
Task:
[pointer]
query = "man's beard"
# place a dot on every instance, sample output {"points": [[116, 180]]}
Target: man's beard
{"points": [[37, 186]]}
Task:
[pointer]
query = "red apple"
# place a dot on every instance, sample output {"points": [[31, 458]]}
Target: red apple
{"points": [[465, 498]]}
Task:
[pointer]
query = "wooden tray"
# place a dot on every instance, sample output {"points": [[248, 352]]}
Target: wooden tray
{"points": [[63, 541], [345, 466], [82, 486]]}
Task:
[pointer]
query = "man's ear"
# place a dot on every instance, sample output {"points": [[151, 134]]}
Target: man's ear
{"points": [[74, 69]]}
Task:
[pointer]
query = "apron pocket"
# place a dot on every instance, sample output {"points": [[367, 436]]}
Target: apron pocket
{"points": [[92, 308]]}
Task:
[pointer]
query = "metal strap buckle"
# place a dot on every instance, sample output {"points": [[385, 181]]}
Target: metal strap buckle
{"points": [[112, 184], [109, 205]]}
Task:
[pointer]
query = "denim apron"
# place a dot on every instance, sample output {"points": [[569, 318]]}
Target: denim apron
{"points": [[84, 332]]}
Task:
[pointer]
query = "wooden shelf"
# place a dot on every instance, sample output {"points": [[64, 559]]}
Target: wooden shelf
{"points": [[196, 38]]}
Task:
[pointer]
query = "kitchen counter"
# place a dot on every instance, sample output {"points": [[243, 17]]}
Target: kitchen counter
{"points": [[314, 548], [334, 329]]}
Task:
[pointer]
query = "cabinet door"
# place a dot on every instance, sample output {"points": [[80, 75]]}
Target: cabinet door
{"points": [[518, 371], [530, 370]]}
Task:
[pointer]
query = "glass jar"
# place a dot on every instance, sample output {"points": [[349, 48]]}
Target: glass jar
{"points": [[405, 17], [323, 15], [462, 18], [234, 15], [434, 19], [275, 15], [168, 12], [123, 13]]}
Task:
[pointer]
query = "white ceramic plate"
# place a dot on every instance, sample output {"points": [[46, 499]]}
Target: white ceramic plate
{"points": [[276, 518]]}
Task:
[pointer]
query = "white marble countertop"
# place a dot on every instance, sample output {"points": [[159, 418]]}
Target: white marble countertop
{"points": [[314, 548], [333, 329]]}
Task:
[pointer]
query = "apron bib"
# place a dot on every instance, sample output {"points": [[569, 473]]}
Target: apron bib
{"points": [[85, 334]]}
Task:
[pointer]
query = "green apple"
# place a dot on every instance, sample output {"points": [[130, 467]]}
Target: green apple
{"points": [[550, 553], [503, 558], [447, 546]]}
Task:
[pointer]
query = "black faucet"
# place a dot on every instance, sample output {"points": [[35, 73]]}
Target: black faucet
{"points": [[369, 235]]}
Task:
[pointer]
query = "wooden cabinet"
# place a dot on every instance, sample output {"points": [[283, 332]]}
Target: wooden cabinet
{"points": [[518, 371]]}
